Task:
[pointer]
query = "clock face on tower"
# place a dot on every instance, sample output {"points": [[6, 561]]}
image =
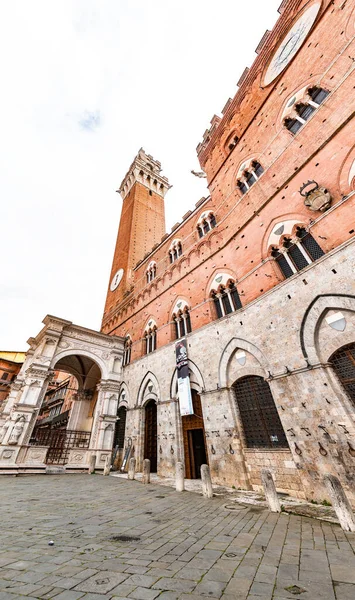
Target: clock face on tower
{"points": [[291, 43], [116, 280]]}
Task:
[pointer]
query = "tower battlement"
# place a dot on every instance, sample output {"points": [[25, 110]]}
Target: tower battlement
{"points": [[145, 170]]}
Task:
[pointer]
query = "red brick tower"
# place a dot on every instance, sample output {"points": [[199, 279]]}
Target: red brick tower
{"points": [[142, 223]]}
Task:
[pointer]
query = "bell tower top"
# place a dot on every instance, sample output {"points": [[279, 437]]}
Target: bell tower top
{"points": [[146, 171]]}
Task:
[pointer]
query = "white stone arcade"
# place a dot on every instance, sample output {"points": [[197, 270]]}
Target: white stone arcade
{"points": [[95, 360]]}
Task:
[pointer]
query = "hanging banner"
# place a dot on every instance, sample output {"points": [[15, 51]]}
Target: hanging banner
{"points": [[184, 389]]}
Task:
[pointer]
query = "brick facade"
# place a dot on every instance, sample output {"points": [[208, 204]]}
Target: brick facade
{"points": [[285, 327]]}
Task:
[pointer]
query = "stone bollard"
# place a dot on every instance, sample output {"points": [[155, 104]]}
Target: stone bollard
{"points": [[206, 481], [107, 467], [92, 464], [146, 471], [180, 477], [340, 503], [270, 490], [131, 468]]}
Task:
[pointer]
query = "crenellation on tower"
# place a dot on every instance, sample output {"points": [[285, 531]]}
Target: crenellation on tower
{"points": [[146, 171]]}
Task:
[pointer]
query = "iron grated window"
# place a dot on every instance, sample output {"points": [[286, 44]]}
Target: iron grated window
{"points": [[343, 361], [311, 245], [284, 266], [297, 257], [258, 413]]}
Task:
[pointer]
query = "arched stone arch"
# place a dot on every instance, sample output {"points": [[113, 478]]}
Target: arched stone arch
{"points": [[286, 223], [80, 352], [312, 320], [196, 380], [145, 395], [123, 397], [228, 353]]}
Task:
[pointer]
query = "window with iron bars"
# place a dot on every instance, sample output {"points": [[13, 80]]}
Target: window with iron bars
{"points": [[343, 362], [226, 300], [260, 420], [297, 254]]}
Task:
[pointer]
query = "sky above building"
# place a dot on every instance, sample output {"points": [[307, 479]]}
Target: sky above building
{"points": [[85, 84]]}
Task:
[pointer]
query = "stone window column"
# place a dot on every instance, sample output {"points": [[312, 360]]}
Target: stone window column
{"points": [[219, 296], [290, 263]]}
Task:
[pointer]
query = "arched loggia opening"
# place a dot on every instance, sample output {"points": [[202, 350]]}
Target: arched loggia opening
{"points": [[151, 435], [66, 415]]}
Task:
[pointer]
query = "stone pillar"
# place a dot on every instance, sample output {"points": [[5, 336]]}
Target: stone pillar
{"points": [[167, 438], [131, 468], [270, 490], [224, 446], [20, 412], [340, 503], [103, 428], [92, 464], [180, 477], [107, 467], [146, 471], [207, 490]]}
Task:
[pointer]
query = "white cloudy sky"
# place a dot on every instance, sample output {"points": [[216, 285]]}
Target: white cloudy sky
{"points": [[85, 84]]}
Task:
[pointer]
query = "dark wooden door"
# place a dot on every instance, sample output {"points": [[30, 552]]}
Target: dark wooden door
{"points": [[197, 452], [150, 437], [194, 451]]}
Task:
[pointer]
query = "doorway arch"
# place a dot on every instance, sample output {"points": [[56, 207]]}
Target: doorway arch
{"points": [[151, 434]]}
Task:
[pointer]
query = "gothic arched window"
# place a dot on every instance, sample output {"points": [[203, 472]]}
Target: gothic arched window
{"points": [[150, 337], [182, 323], [343, 362], [304, 109], [297, 253], [250, 176], [260, 420], [151, 271], [175, 250], [127, 351], [226, 299], [206, 223]]}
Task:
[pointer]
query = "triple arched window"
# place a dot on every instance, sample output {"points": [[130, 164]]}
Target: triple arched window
{"points": [[151, 271], [206, 223], [226, 299], [175, 250], [250, 176], [296, 254], [127, 351], [150, 339], [182, 323], [304, 109]]}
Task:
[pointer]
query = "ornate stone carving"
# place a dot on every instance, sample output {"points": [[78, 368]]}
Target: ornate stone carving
{"points": [[7, 454], [316, 198], [16, 431], [4, 429]]}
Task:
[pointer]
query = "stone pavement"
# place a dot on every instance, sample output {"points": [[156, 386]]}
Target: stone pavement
{"points": [[115, 538]]}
